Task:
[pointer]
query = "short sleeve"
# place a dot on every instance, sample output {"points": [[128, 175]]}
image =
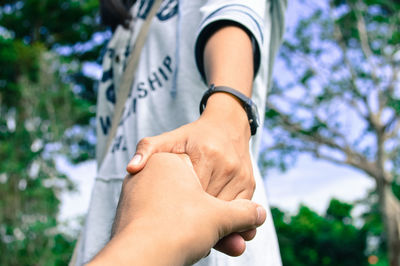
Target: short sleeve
{"points": [[249, 15]]}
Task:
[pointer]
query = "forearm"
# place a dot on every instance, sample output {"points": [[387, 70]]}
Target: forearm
{"points": [[141, 243], [228, 61]]}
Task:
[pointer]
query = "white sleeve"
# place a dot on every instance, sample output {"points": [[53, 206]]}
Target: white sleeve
{"points": [[248, 14]]}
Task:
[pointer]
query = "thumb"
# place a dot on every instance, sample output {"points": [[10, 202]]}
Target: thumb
{"points": [[242, 215], [166, 142]]}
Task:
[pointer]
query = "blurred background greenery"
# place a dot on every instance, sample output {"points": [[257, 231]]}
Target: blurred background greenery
{"points": [[341, 103]]}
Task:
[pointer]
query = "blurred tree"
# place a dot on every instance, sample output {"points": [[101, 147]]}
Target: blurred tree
{"points": [[341, 102], [46, 106], [310, 239]]}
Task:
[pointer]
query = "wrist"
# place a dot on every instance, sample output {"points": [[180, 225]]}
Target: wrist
{"points": [[227, 110]]}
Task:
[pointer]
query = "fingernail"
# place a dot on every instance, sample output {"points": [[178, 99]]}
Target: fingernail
{"points": [[136, 159], [260, 215]]}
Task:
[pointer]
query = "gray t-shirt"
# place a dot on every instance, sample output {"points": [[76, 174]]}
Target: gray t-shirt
{"points": [[166, 93]]}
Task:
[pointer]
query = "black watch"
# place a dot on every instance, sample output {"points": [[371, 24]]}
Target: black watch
{"points": [[249, 106]]}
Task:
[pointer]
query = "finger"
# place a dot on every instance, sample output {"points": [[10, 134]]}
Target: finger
{"points": [[239, 225], [232, 245], [240, 187], [249, 234], [241, 215], [218, 182], [144, 149], [230, 190], [166, 142], [202, 166], [228, 177], [245, 194]]}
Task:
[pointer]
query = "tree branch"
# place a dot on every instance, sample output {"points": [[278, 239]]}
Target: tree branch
{"points": [[353, 158], [395, 130], [365, 166], [294, 127], [338, 35], [363, 33]]}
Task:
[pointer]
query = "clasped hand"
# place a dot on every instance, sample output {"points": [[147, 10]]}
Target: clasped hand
{"points": [[218, 147]]}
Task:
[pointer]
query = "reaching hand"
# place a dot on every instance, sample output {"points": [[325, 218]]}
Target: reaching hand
{"points": [[163, 211]]}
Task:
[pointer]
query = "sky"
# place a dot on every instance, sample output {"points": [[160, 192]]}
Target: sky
{"points": [[310, 182]]}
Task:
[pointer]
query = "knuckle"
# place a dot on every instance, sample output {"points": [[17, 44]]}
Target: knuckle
{"points": [[209, 149], [248, 182], [232, 167], [250, 177], [251, 182], [244, 178]]}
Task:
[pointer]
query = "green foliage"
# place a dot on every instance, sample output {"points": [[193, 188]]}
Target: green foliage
{"points": [[339, 211], [46, 107], [308, 238], [52, 22]]}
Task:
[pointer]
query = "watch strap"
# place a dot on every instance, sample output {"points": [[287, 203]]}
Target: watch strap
{"points": [[246, 102]]}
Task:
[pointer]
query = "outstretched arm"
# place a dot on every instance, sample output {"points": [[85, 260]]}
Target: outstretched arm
{"points": [[218, 142], [164, 217]]}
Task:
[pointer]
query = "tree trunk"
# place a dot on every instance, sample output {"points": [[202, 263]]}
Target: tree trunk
{"points": [[390, 210]]}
